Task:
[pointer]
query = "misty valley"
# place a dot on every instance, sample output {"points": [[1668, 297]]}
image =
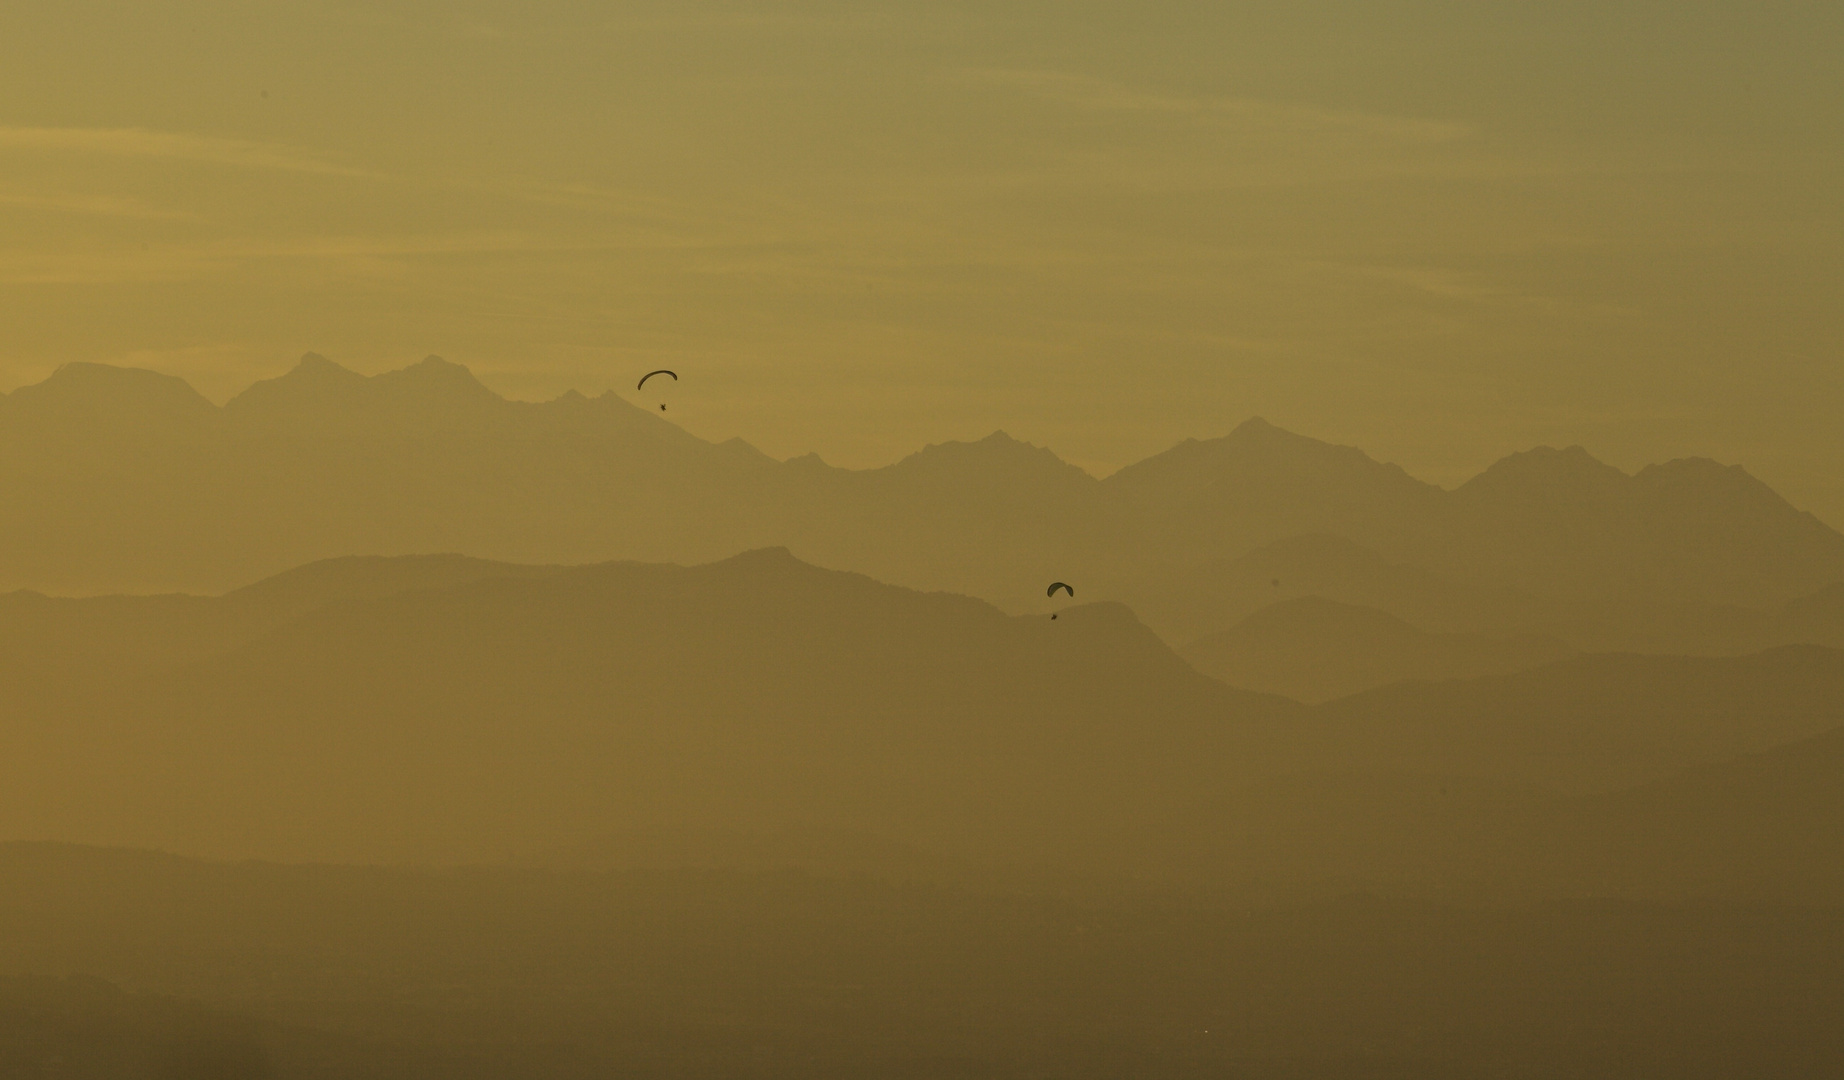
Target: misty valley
{"points": [[384, 727]]}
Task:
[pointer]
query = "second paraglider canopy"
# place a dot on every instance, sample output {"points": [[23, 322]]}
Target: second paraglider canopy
{"points": [[1063, 585]]}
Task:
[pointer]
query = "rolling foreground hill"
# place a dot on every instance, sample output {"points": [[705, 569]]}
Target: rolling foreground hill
{"points": [[760, 711], [779, 820], [125, 480], [1313, 649], [520, 711], [1764, 828]]}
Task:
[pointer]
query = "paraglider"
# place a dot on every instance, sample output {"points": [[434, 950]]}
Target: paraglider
{"points": [[642, 385], [1054, 586]]}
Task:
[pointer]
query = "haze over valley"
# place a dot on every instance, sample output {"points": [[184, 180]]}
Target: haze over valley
{"points": [[1293, 674], [851, 538]]}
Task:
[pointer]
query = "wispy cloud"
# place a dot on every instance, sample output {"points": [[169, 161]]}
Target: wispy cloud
{"points": [[1087, 92], [172, 146], [370, 256], [753, 21], [149, 144], [115, 206]]}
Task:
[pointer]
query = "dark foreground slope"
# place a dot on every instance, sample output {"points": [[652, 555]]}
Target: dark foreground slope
{"points": [[362, 973], [85, 1028]]}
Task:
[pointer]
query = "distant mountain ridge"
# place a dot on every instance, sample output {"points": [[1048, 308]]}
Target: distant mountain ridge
{"points": [[1312, 649], [126, 480]]}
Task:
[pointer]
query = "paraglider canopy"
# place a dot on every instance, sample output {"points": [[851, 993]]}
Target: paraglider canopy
{"points": [[642, 385], [1055, 585]]}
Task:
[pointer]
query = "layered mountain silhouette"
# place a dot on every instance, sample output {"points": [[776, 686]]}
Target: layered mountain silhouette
{"points": [[1763, 828], [59, 638], [1192, 601], [442, 709], [1313, 649], [1589, 723], [242, 970], [125, 480], [533, 709]]}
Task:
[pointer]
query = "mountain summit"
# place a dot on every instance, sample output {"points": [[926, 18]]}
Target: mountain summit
{"points": [[1260, 484], [81, 400], [319, 397], [119, 479]]}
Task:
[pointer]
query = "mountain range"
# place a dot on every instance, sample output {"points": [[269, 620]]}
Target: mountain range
{"points": [[1313, 649], [126, 480]]}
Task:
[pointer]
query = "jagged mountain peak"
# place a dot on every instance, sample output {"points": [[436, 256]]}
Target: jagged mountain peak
{"points": [[434, 375], [1257, 446], [777, 557], [318, 391], [313, 363], [996, 456], [1549, 466], [433, 367], [1728, 497], [997, 442], [1258, 427]]}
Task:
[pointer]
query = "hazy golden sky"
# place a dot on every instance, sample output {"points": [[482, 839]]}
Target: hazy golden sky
{"points": [[1439, 230]]}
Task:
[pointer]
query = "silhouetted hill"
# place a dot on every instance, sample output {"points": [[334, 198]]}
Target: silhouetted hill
{"points": [[511, 713], [1818, 618], [1590, 722], [1312, 649], [1479, 788], [81, 400], [293, 593], [89, 1029], [323, 463], [386, 974], [1185, 603], [987, 518], [444, 708], [373, 974], [56, 638], [1687, 530], [1260, 484], [123, 480], [1762, 828]]}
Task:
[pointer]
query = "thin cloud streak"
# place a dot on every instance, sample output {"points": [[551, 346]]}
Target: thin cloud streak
{"points": [[173, 146], [660, 212], [113, 206], [1086, 92]]}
